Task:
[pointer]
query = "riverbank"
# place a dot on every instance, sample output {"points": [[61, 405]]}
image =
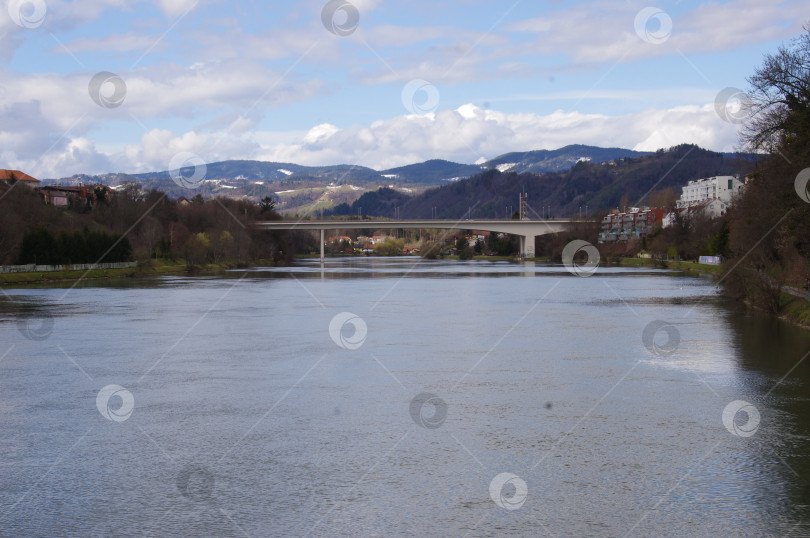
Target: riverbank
{"points": [[795, 308], [796, 311], [685, 266], [151, 268], [37, 277], [794, 303]]}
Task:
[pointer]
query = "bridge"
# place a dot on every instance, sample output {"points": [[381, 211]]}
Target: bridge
{"points": [[526, 229]]}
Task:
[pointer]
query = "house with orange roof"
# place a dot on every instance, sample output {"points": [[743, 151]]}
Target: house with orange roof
{"points": [[10, 177]]}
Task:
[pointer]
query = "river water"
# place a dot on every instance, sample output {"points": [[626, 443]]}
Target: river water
{"points": [[401, 397]]}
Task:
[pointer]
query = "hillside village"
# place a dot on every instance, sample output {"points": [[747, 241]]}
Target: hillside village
{"points": [[709, 197]]}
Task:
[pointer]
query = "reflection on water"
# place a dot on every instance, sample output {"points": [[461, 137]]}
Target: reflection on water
{"points": [[390, 396]]}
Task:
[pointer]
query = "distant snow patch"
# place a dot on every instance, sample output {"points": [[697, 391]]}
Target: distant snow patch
{"points": [[390, 176], [480, 161], [584, 159], [285, 172], [258, 182], [506, 166]]}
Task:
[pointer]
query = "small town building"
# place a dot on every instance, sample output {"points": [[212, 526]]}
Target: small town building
{"points": [[699, 191], [712, 196], [341, 238], [60, 195], [635, 222], [10, 177]]}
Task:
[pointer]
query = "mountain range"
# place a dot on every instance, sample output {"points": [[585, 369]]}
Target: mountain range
{"points": [[428, 173], [337, 189], [586, 188]]}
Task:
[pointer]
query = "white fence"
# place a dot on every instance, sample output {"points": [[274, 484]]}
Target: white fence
{"points": [[67, 267]]}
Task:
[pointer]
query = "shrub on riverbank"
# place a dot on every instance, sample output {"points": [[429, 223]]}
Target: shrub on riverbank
{"points": [[39, 246]]}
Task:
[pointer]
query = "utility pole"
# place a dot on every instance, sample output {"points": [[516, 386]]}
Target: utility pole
{"points": [[524, 207]]}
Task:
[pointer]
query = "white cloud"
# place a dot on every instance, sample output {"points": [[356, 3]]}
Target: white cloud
{"points": [[462, 135], [57, 103], [320, 134], [465, 134], [176, 8], [128, 42], [604, 33], [212, 82], [78, 156]]}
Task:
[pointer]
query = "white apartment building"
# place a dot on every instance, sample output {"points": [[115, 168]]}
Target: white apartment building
{"points": [[712, 195], [699, 191]]}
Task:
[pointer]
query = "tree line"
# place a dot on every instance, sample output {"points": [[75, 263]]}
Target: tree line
{"points": [[39, 246], [769, 226], [140, 225]]}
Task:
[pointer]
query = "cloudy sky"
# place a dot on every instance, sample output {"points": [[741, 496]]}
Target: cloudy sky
{"points": [[96, 86]]}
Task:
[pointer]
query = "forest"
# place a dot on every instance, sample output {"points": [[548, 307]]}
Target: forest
{"points": [[132, 224], [769, 226]]}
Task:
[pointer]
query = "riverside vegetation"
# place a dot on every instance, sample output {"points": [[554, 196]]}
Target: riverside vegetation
{"points": [[135, 225], [769, 226]]}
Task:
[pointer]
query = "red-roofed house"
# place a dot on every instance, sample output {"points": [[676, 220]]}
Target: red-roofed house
{"points": [[13, 176]]}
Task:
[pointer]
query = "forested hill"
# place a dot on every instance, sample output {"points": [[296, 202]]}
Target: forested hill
{"points": [[627, 181]]}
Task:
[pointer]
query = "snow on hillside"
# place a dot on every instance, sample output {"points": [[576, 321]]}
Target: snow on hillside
{"points": [[506, 166]]}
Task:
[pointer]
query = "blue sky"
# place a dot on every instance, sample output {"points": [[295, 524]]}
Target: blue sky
{"points": [[367, 82]]}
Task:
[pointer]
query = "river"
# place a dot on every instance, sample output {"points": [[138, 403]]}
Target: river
{"points": [[396, 396]]}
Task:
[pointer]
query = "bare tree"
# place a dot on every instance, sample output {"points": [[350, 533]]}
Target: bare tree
{"points": [[780, 97]]}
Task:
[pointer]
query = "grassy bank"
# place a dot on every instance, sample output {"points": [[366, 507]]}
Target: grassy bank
{"points": [[685, 266], [343, 256], [36, 277], [796, 310], [151, 268]]}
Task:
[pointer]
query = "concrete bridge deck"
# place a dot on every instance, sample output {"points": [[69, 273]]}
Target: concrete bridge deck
{"points": [[526, 229]]}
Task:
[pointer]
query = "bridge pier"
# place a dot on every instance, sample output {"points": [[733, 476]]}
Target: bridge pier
{"points": [[322, 243], [527, 246]]}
